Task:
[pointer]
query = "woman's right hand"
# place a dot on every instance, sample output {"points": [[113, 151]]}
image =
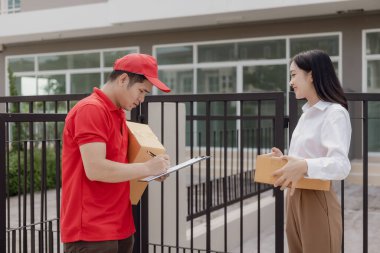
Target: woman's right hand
{"points": [[276, 152]]}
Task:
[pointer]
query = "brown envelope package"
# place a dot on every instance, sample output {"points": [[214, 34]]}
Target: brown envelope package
{"points": [[266, 165]]}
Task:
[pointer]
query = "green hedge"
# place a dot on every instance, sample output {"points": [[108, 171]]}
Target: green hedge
{"points": [[14, 160]]}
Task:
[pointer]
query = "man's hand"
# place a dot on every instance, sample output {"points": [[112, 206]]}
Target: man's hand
{"points": [[158, 165], [162, 178], [290, 173]]}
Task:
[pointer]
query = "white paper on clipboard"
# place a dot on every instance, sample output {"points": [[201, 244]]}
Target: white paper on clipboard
{"points": [[177, 167]]}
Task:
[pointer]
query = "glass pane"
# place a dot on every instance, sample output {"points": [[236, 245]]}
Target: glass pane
{"points": [[374, 126], [26, 86], [218, 52], [179, 81], [220, 80], [17, 4], [264, 78], [106, 76], [217, 108], [271, 49], [51, 85], [10, 4], [373, 43], [330, 44], [75, 61], [373, 76], [52, 62], [84, 61], [336, 67], [21, 64], [175, 55], [217, 133], [110, 57], [84, 83]]}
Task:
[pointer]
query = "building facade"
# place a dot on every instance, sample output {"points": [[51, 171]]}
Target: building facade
{"points": [[68, 46]]}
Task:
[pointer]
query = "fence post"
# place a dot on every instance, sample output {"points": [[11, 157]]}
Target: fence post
{"points": [[279, 195], [2, 186], [141, 211]]}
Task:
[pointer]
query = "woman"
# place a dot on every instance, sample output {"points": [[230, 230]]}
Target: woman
{"points": [[318, 149]]}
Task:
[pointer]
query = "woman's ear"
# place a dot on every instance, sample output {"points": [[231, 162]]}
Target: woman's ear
{"points": [[310, 75]]}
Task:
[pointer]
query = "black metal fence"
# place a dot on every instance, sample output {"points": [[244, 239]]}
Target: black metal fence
{"points": [[29, 223], [30, 161], [231, 128]]}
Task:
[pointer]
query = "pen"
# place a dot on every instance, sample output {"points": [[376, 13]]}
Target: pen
{"points": [[150, 153]]}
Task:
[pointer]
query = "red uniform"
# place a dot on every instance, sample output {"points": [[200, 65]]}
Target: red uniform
{"points": [[92, 210]]}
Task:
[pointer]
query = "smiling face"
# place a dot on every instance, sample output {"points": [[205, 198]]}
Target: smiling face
{"points": [[302, 83], [130, 96]]}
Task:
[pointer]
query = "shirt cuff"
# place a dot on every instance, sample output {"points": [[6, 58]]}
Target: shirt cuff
{"points": [[313, 168]]}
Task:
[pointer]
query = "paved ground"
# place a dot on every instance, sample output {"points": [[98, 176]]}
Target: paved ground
{"points": [[353, 220]]}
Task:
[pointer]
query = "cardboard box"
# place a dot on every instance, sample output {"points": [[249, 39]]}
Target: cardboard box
{"points": [[266, 165], [141, 140]]}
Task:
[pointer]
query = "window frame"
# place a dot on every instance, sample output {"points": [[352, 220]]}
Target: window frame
{"points": [[5, 9], [366, 58], [240, 64], [67, 72]]}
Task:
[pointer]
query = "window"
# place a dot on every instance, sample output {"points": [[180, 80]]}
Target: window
{"points": [[9, 6], [249, 65], [264, 78], [254, 64], [180, 81], [371, 83], [60, 73], [216, 80], [258, 50], [71, 61], [174, 55], [330, 44]]}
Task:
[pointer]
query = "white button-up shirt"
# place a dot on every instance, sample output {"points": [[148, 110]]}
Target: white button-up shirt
{"points": [[322, 137]]}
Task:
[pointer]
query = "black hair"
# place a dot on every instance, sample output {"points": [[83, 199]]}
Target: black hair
{"points": [[325, 81], [133, 77]]}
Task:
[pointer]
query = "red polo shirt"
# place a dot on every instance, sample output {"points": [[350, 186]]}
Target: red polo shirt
{"points": [[92, 210]]}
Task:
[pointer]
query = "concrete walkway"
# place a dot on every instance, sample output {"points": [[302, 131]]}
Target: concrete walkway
{"points": [[353, 223], [353, 220]]}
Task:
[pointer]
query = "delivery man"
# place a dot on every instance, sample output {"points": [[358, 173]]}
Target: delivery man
{"points": [[96, 213]]}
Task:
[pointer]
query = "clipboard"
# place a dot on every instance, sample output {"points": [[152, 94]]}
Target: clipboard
{"points": [[177, 167]]}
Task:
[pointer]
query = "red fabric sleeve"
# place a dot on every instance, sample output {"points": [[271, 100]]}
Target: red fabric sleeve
{"points": [[91, 125]]}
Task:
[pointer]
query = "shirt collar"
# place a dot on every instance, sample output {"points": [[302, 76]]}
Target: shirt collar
{"points": [[107, 101], [320, 105]]}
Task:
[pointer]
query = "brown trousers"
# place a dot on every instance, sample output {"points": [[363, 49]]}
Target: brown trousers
{"points": [[120, 246], [313, 222]]}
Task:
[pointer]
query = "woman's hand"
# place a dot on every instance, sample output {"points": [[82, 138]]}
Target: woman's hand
{"points": [[290, 173], [276, 152]]}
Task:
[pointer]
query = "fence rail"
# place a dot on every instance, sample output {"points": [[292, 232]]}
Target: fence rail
{"points": [[232, 128], [208, 116]]}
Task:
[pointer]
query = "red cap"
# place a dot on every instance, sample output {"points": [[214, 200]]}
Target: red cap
{"points": [[141, 64]]}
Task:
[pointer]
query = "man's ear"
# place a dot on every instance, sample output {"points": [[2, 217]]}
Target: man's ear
{"points": [[123, 79]]}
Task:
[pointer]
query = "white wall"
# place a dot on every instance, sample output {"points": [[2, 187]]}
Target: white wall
{"points": [[122, 16]]}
